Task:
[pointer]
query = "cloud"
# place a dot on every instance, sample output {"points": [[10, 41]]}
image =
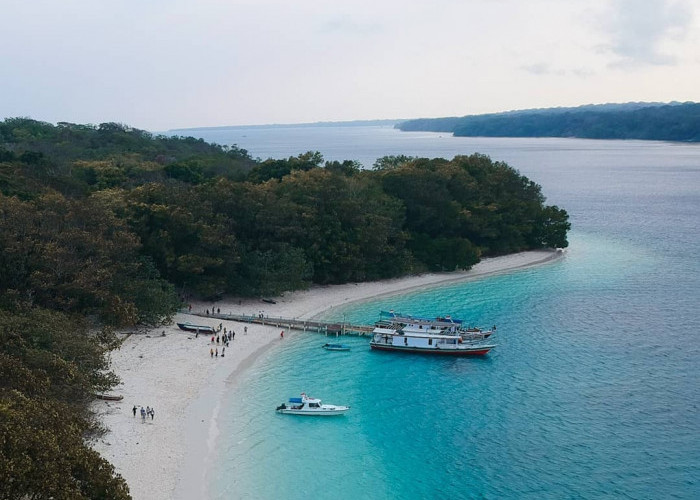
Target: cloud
{"points": [[545, 69], [638, 30]]}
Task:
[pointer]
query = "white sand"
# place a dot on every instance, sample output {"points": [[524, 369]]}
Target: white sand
{"points": [[165, 457]]}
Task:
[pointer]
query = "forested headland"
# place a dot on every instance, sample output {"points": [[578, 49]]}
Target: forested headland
{"points": [[109, 226], [645, 121]]}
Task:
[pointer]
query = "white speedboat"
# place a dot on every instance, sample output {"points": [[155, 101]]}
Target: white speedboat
{"points": [[306, 405]]}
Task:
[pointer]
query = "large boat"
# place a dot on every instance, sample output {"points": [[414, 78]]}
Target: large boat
{"points": [[189, 327], [306, 405], [389, 339], [441, 325]]}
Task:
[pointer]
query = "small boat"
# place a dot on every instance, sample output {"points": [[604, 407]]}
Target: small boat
{"points": [[189, 327], [109, 397], [269, 301], [388, 339], [336, 347], [306, 405]]}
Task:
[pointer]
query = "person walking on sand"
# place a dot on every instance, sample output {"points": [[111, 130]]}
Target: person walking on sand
{"points": [[211, 352], [153, 413], [282, 334], [223, 352], [143, 415], [217, 352], [134, 410]]}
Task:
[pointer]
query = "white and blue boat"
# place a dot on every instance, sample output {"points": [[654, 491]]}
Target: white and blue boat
{"points": [[306, 405]]}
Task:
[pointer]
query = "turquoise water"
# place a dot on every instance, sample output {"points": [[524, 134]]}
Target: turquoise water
{"points": [[593, 390]]}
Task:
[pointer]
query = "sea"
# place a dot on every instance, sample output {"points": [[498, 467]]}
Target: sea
{"points": [[592, 392]]}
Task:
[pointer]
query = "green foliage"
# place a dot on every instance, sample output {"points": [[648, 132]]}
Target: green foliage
{"points": [[276, 169], [50, 366]]}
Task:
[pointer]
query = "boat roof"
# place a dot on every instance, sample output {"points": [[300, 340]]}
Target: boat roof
{"points": [[387, 331]]}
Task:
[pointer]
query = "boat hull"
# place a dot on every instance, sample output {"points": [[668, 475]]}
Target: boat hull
{"points": [[195, 328], [336, 347], [471, 351], [315, 413]]}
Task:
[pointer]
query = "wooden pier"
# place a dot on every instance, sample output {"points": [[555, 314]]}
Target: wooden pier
{"points": [[324, 327]]}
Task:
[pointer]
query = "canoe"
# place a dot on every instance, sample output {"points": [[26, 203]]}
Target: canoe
{"points": [[110, 397], [336, 347], [188, 327]]}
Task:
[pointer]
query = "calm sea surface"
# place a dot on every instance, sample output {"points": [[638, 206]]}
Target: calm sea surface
{"points": [[592, 392]]}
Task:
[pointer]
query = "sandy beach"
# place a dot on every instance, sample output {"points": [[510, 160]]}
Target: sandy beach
{"points": [[172, 371]]}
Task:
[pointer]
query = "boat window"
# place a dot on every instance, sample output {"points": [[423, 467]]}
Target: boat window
{"points": [[313, 405], [430, 341]]}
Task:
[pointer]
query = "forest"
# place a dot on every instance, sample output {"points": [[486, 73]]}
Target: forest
{"points": [[650, 121], [106, 226]]}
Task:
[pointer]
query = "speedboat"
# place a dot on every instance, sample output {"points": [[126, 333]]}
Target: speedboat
{"points": [[306, 405], [336, 347]]}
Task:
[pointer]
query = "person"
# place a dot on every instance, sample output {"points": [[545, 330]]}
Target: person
{"points": [[217, 352], [134, 410], [282, 334], [217, 339], [189, 307], [233, 335], [245, 330], [223, 352], [207, 312], [212, 339], [153, 413], [218, 311], [211, 352], [143, 415]]}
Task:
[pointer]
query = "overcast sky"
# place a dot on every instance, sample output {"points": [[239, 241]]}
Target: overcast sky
{"points": [[161, 64]]}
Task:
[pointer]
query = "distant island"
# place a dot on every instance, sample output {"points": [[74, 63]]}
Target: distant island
{"points": [[645, 121]]}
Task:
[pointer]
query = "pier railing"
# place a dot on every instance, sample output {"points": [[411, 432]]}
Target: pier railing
{"points": [[328, 328]]}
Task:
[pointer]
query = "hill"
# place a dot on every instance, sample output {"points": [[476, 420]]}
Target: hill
{"points": [[646, 121]]}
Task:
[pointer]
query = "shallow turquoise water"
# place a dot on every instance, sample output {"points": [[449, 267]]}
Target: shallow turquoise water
{"points": [[593, 390]]}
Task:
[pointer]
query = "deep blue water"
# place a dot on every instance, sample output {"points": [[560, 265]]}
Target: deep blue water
{"points": [[593, 390]]}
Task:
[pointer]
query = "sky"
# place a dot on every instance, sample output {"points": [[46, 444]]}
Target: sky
{"points": [[165, 64]]}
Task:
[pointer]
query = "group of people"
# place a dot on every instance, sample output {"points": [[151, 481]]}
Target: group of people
{"points": [[215, 352], [145, 412]]}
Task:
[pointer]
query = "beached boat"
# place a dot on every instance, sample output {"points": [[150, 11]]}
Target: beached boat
{"points": [[389, 339], [306, 405], [336, 347], [189, 327], [109, 397]]}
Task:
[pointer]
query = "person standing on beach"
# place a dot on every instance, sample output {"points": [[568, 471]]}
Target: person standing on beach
{"points": [[217, 352], [211, 352], [153, 413], [134, 410], [223, 352], [282, 334], [245, 330], [143, 415]]}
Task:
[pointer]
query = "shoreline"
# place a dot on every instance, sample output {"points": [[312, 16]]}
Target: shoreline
{"points": [[166, 457]]}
